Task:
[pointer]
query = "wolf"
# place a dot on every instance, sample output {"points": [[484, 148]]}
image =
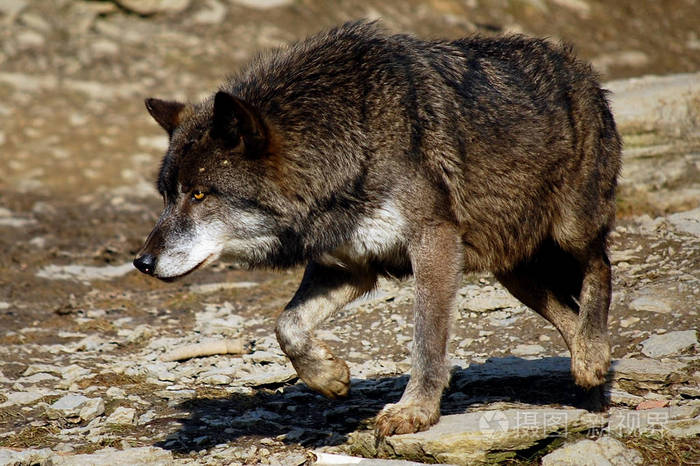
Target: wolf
{"points": [[361, 153]]}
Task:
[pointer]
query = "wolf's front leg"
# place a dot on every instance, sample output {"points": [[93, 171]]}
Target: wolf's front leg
{"points": [[437, 265], [323, 291]]}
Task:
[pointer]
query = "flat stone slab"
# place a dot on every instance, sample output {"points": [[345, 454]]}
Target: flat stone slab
{"points": [[141, 456], [327, 459], [271, 374], [655, 102], [67, 406], [647, 370], [651, 304], [604, 451], [481, 436], [669, 343], [687, 222], [10, 457], [84, 273], [675, 421]]}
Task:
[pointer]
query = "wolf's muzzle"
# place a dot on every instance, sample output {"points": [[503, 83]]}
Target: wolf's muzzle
{"points": [[146, 263]]}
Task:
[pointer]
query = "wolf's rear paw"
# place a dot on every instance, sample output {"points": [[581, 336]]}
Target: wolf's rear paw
{"points": [[329, 376], [405, 418], [590, 360]]}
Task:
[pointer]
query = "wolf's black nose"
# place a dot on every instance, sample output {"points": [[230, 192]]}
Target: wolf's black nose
{"points": [[146, 263]]}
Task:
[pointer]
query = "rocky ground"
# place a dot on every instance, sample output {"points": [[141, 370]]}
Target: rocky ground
{"points": [[82, 376]]}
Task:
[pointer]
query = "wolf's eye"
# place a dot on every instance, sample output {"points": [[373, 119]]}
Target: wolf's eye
{"points": [[198, 196]]}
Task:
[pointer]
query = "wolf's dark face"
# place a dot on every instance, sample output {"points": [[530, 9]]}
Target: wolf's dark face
{"points": [[208, 183]]}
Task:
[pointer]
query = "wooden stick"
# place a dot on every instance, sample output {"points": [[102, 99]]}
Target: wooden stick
{"points": [[206, 348]]}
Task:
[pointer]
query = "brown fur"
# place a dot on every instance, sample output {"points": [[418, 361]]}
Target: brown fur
{"points": [[362, 153]]}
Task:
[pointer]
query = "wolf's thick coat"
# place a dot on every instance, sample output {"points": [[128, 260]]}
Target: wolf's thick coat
{"points": [[362, 153]]}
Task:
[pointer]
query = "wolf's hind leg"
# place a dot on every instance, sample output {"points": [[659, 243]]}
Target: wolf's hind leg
{"points": [[573, 293], [437, 265], [322, 291], [590, 349], [548, 283]]}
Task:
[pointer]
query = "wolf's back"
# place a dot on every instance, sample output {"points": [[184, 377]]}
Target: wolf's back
{"points": [[516, 132]]}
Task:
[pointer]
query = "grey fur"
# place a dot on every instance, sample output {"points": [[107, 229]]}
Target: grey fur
{"points": [[363, 153]]}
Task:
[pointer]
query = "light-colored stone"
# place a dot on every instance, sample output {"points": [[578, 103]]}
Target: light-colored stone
{"points": [[101, 91], [27, 82], [84, 273], [213, 13], [684, 428], [265, 356], [627, 58], [629, 321], [527, 350], [10, 9], [93, 408], [680, 421], [39, 368], [30, 40], [216, 287], [219, 319], [36, 378], [493, 435], [580, 6], [658, 346], [373, 368], [602, 452], [73, 373], [157, 369], [645, 370], [618, 396], [687, 222], [21, 398], [329, 459], [263, 4], [142, 456], [11, 457], [121, 415], [270, 374], [116, 393], [150, 7], [104, 48], [650, 304], [482, 299], [656, 102], [9, 219], [216, 379], [35, 21], [68, 406], [147, 417], [176, 395], [92, 343]]}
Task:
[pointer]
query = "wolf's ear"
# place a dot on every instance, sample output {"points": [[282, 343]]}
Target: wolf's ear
{"points": [[166, 113], [235, 118]]}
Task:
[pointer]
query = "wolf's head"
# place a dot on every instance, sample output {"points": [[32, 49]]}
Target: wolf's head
{"points": [[210, 183]]}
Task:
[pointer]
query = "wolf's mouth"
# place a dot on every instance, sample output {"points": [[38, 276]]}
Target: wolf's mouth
{"points": [[207, 260]]}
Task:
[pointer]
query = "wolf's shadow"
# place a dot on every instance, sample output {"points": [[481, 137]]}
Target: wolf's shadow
{"points": [[296, 415]]}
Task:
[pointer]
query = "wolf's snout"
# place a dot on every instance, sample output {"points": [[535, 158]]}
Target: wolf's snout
{"points": [[146, 263]]}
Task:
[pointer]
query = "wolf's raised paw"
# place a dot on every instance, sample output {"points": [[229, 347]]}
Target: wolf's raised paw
{"points": [[329, 376], [405, 418]]}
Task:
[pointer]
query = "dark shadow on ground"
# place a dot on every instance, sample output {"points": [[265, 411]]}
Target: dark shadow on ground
{"points": [[296, 415]]}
